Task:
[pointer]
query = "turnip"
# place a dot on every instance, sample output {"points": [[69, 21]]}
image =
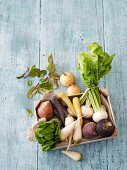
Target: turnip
{"points": [[73, 89], [76, 156], [93, 65], [99, 115], [87, 111], [67, 79]]}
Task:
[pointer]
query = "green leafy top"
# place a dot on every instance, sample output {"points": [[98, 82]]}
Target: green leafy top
{"points": [[94, 64], [52, 72], [48, 134], [32, 72], [46, 81]]}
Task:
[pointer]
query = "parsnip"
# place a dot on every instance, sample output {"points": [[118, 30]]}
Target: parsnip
{"points": [[67, 131], [69, 119], [65, 98], [76, 156], [77, 107], [77, 133]]}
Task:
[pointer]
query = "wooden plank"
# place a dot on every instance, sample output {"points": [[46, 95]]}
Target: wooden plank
{"points": [[19, 32], [67, 27], [115, 27]]}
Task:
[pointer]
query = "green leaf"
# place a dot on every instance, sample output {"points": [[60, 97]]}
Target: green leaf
{"points": [[50, 59], [29, 82], [29, 112], [94, 64], [48, 134], [32, 91], [54, 76], [24, 75], [42, 73], [34, 72], [51, 68]]}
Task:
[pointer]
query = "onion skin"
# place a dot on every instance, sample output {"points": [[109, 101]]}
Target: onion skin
{"points": [[45, 110]]}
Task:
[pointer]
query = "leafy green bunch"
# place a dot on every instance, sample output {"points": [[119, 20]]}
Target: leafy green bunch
{"points": [[47, 134], [94, 64]]}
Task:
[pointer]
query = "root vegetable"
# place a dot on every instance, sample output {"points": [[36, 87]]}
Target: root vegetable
{"points": [[71, 90], [77, 135], [45, 110], [67, 79], [76, 156], [105, 128], [65, 98], [70, 112], [89, 130], [67, 131], [59, 108], [69, 119], [99, 115], [77, 107], [87, 111]]}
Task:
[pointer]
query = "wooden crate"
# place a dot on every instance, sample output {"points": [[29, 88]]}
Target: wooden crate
{"points": [[97, 139]]}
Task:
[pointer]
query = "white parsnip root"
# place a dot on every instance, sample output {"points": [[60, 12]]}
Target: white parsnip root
{"points": [[65, 98], [77, 135], [76, 156], [67, 131], [69, 119]]}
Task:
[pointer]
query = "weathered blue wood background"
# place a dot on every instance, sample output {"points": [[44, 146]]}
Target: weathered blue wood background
{"points": [[29, 31]]}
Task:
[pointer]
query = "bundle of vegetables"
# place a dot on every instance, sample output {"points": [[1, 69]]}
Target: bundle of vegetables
{"points": [[93, 65], [48, 133]]}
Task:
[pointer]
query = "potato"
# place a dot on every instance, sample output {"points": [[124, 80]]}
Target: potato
{"points": [[45, 109]]}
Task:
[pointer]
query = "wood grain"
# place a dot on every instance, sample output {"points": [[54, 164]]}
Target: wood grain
{"points": [[29, 31], [19, 49]]}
